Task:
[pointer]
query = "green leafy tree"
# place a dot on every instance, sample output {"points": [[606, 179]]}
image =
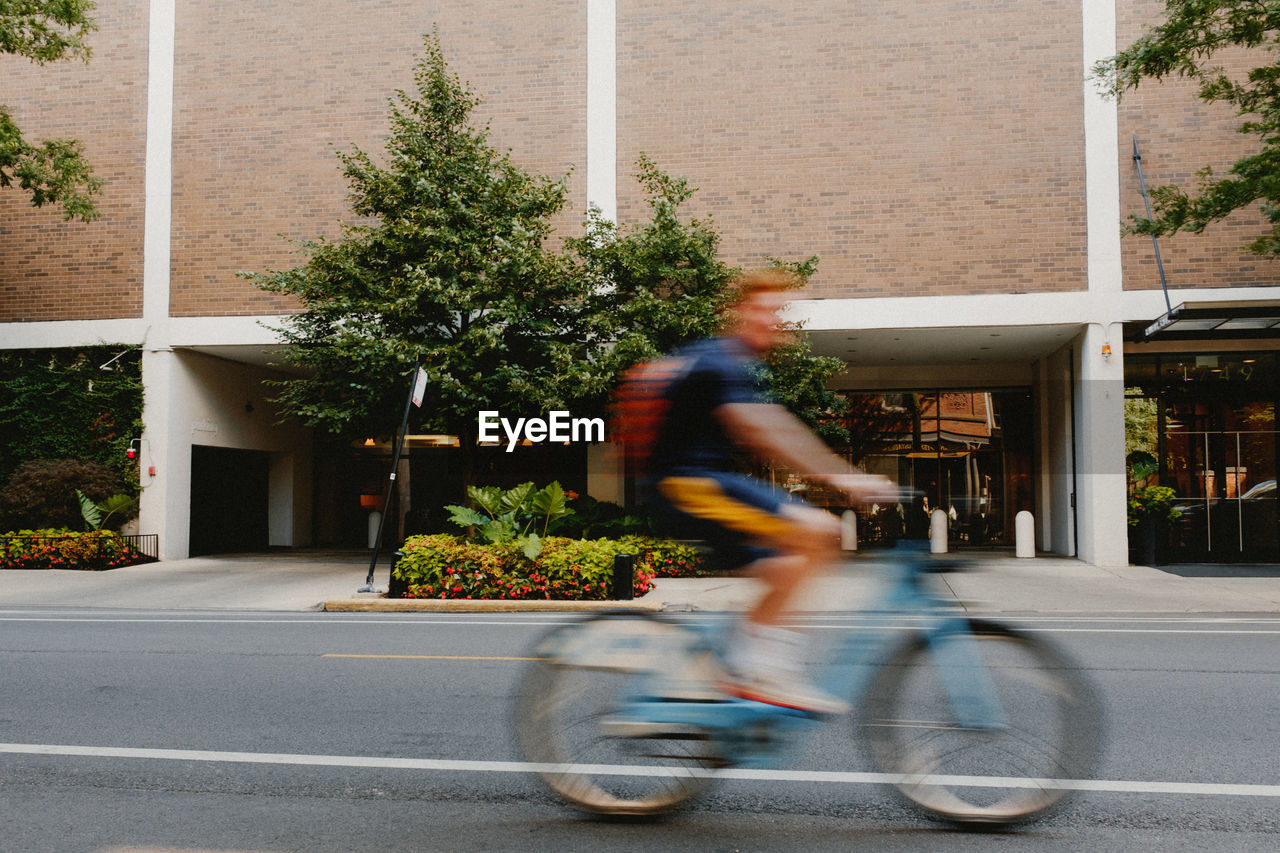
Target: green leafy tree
{"points": [[656, 285], [54, 170], [1186, 46], [661, 284], [446, 268]]}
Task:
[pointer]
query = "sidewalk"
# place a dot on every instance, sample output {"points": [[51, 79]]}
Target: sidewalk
{"points": [[315, 580]]}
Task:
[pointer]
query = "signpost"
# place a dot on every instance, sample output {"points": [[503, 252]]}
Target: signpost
{"points": [[416, 392]]}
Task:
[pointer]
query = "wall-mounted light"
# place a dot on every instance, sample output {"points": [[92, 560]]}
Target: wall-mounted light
{"points": [[1106, 350]]}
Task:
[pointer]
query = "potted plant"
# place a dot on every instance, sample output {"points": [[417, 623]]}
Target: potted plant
{"points": [[1150, 509]]}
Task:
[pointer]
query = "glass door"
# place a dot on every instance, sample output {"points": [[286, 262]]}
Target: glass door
{"points": [[1221, 461]]}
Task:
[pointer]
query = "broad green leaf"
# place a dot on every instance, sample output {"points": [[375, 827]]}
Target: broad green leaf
{"points": [[531, 545], [92, 516], [550, 502], [116, 505], [499, 531], [513, 499], [488, 498], [465, 516]]}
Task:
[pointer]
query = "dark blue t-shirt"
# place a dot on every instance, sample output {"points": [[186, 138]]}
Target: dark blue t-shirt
{"points": [[714, 372]]}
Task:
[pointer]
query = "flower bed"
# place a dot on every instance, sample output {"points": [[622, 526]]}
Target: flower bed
{"points": [[62, 549], [443, 566]]}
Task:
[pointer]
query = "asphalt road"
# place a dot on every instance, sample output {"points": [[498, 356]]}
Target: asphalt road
{"points": [[385, 732]]}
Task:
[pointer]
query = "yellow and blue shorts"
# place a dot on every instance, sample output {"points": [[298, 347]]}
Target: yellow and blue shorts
{"points": [[733, 513]]}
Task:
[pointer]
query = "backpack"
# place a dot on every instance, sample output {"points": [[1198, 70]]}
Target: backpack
{"points": [[640, 406]]}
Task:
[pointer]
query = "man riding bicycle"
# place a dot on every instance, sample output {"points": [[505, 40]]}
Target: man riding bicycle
{"points": [[711, 410]]}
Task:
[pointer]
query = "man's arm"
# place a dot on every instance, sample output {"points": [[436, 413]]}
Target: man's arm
{"points": [[773, 433]]}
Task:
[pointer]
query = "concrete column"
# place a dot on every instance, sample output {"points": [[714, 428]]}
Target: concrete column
{"points": [[165, 507], [605, 473], [1101, 505]]}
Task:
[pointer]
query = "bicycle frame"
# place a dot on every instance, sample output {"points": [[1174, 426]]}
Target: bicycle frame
{"points": [[751, 733]]}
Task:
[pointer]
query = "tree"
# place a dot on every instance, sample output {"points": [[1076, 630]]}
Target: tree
{"points": [[662, 284], [54, 170], [1185, 46], [447, 269]]}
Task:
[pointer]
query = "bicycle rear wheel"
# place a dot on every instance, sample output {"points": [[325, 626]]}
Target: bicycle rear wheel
{"points": [[1052, 732], [571, 718]]}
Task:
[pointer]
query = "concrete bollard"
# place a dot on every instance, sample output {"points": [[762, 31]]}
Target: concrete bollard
{"points": [[937, 532], [1024, 530], [849, 530]]}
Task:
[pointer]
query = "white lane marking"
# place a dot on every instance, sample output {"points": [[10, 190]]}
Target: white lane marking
{"points": [[1023, 623], [1105, 785]]}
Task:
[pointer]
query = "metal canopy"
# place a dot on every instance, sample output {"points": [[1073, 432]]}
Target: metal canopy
{"points": [[1215, 321]]}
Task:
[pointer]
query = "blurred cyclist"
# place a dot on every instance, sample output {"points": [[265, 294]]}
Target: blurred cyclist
{"points": [[709, 408]]}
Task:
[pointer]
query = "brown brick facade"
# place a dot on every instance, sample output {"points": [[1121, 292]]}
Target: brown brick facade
{"points": [[56, 270], [266, 93], [1179, 135], [923, 148], [931, 148]]}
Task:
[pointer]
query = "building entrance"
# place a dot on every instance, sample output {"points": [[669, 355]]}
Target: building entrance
{"points": [[1208, 422], [967, 453], [229, 500]]}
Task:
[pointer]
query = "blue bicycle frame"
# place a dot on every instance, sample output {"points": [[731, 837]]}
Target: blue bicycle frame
{"points": [[752, 734]]}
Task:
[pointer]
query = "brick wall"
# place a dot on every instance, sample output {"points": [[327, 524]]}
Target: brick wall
{"points": [[933, 147], [265, 93], [925, 148], [55, 270], [1179, 135]]}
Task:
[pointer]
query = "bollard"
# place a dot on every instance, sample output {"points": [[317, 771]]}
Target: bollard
{"points": [[849, 530], [396, 587], [937, 532], [623, 586], [1024, 527]]}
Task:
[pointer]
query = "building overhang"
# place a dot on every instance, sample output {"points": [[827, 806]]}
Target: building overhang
{"points": [[1210, 321]]}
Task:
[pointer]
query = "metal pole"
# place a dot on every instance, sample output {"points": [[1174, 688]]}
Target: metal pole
{"points": [[391, 481], [1164, 284]]}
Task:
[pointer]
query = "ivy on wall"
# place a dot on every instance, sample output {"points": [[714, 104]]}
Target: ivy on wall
{"points": [[82, 403]]}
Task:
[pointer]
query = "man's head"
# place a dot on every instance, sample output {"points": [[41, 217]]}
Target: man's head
{"points": [[753, 314]]}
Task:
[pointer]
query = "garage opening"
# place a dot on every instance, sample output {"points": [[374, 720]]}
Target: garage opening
{"points": [[229, 500]]}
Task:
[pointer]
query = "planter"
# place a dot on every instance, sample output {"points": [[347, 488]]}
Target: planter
{"points": [[1144, 538]]}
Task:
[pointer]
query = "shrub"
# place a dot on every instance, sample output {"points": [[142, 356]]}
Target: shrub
{"points": [[64, 549], [593, 518], [42, 492], [667, 558], [519, 515], [442, 566]]}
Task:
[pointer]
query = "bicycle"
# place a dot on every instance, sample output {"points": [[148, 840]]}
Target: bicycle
{"points": [[969, 719]]}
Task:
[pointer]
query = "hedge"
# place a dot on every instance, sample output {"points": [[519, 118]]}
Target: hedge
{"points": [[444, 566]]}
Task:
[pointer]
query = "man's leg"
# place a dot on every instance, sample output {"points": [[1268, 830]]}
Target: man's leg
{"points": [[803, 557]]}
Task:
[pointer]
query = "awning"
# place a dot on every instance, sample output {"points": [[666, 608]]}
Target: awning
{"points": [[1215, 321]]}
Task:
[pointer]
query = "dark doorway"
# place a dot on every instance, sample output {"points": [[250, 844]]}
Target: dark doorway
{"points": [[228, 500]]}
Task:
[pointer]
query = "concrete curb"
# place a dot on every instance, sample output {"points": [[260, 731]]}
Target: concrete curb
{"points": [[472, 605]]}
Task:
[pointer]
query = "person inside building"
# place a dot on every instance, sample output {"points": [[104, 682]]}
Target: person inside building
{"points": [[710, 410]]}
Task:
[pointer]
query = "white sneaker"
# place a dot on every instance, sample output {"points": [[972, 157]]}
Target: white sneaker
{"points": [[765, 665], [785, 690]]}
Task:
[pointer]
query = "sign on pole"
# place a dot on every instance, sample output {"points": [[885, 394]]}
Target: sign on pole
{"points": [[419, 387]]}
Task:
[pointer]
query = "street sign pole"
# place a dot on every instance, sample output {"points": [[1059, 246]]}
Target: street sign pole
{"points": [[415, 399]]}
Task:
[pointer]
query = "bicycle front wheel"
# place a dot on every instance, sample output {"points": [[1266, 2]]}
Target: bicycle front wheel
{"points": [[1046, 729], [572, 719]]}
